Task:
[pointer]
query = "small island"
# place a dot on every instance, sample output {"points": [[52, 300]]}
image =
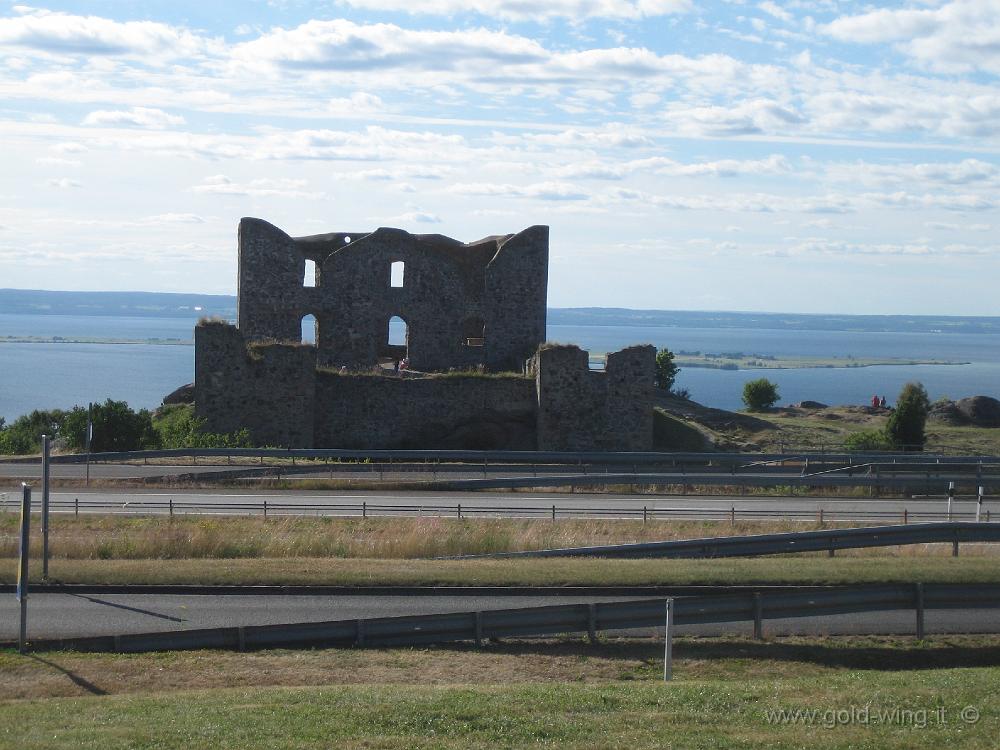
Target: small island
{"points": [[743, 361]]}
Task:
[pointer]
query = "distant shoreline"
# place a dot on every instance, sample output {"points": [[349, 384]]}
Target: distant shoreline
{"points": [[93, 340]]}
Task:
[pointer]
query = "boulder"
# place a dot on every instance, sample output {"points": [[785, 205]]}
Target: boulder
{"points": [[183, 395], [981, 411], [811, 405]]}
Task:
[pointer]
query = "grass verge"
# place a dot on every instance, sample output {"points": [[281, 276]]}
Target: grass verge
{"points": [[726, 693], [804, 570]]}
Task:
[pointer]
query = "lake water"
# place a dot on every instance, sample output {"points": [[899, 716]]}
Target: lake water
{"points": [[43, 376]]}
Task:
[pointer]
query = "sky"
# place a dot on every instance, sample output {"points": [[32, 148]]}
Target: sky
{"points": [[811, 156]]}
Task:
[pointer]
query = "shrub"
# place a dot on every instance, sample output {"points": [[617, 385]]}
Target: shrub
{"points": [[869, 440], [760, 394], [178, 427], [905, 428], [116, 428], [24, 434], [666, 370]]}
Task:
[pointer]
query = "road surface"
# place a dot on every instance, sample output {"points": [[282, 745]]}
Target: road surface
{"points": [[68, 615]]}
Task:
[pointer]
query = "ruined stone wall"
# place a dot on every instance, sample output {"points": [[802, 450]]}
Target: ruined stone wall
{"points": [[496, 286], [374, 411], [268, 389], [580, 410]]}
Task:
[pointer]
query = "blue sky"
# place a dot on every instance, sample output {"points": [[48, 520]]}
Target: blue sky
{"points": [[812, 156]]}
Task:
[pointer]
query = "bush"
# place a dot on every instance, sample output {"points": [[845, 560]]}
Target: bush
{"points": [[178, 427], [666, 370], [24, 435], [116, 428], [905, 428], [869, 440], [760, 394]]}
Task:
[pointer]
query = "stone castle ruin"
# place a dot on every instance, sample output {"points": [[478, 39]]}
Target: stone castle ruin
{"points": [[469, 318]]}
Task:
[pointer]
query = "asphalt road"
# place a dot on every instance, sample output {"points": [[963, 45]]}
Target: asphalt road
{"points": [[66, 615], [492, 504]]}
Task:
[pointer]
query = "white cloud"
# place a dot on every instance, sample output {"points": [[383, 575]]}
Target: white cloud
{"points": [[262, 187], [63, 33], [418, 217], [959, 36], [547, 191], [532, 10], [63, 183], [143, 117], [775, 10]]}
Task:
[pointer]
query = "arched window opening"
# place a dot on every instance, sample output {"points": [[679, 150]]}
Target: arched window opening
{"points": [[310, 329], [399, 332], [309, 279], [474, 332], [396, 274]]}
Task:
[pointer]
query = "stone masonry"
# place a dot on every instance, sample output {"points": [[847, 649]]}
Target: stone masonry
{"points": [[465, 305]]}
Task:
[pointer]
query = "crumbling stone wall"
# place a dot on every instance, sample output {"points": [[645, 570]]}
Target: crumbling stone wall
{"points": [[495, 288], [268, 389], [580, 409]]}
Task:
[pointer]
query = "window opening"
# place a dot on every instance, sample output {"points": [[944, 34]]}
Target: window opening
{"points": [[399, 332], [396, 274], [309, 279], [310, 329], [474, 332]]}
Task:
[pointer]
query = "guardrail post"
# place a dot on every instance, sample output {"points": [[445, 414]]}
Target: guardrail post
{"points": [[668, 643], [954, 546], [758, 616], [553, 513], [479, 629], [905, 516], [919, 597], [46, 448], [364, 509], [592, 623], [171, 507], [265, 509], [22, 568], [644, 515], [76, 506], [820, 516], [732, 515], [459, 510]]}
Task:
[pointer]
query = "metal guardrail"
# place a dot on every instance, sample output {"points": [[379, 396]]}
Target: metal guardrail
{"points": [[552, 512], [416, 630], [506, 456], [827, 540]]}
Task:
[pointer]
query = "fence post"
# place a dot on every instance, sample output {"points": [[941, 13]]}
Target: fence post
{"points": [[905, 516], [22, 567], [459, 510], [732, 515], [46, 449], [265, 509], [644, 514], [758, 616], [171, 506], [76, 506], [364, 509], [553, 512], [920, 610], [668, 645]]}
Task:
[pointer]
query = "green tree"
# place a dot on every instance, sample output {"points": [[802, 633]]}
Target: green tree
{"points": [[116, 428], [24, 434], [905, 428], [666, 370], [178, 427], [760, 394]]}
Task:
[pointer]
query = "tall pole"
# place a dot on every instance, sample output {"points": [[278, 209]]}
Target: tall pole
{"points": [[668, 643], [90, 433], [22, 567], [46, 448]]}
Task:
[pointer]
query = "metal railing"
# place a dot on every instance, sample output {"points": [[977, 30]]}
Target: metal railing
{"points": [[270, 508], [550, 620], [826, 540]]}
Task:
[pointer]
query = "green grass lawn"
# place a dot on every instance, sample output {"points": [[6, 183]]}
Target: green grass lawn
{"points": [[863, 692]]}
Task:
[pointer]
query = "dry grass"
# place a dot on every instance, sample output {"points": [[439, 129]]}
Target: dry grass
{"points": [[57, 674], [227, 537], [799, 569]]}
